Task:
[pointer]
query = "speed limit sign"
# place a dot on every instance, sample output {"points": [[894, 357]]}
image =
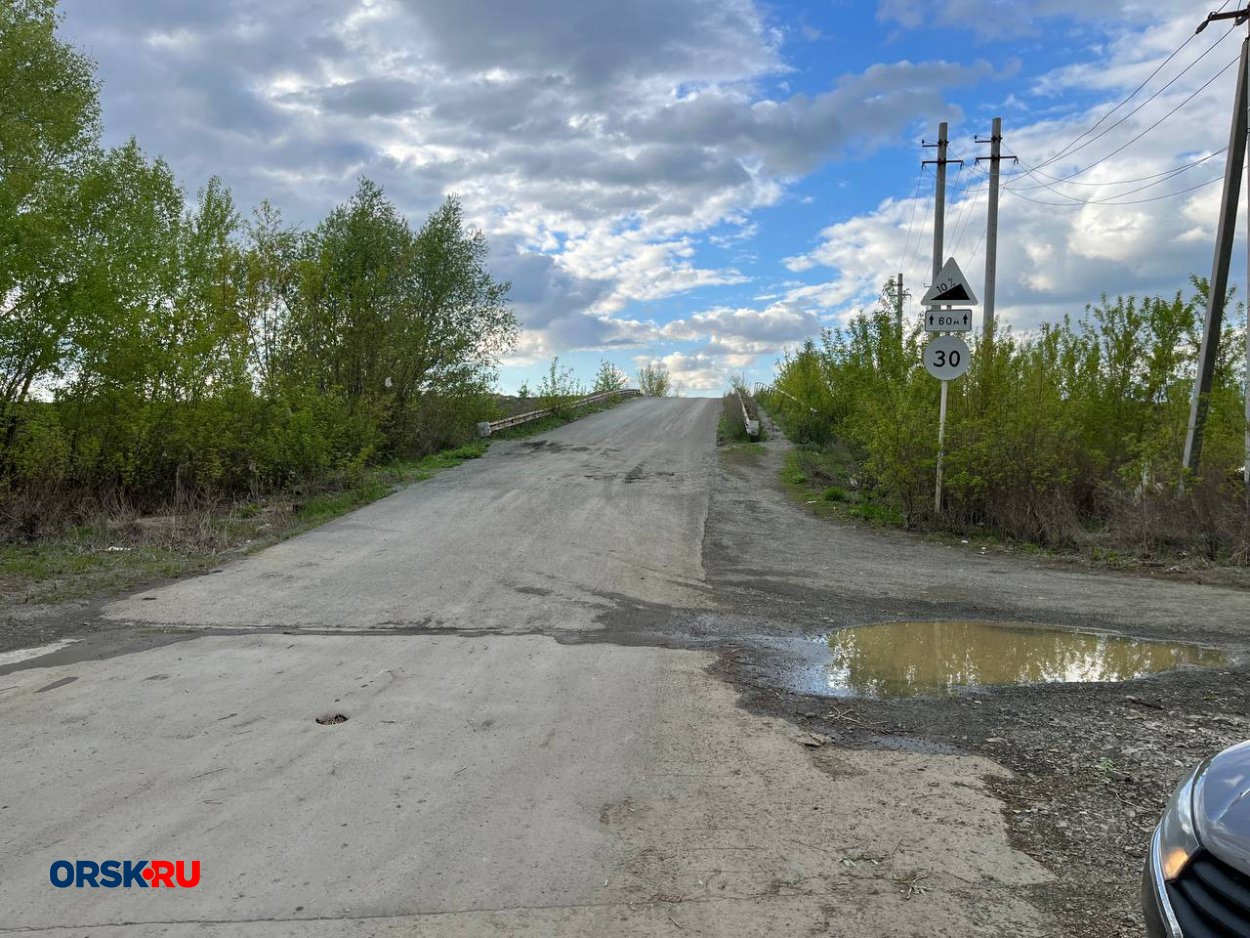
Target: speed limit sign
{"points": [[946, 357]]}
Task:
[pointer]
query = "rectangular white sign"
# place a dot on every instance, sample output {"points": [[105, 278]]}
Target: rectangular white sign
{"points": [[947, 320]]}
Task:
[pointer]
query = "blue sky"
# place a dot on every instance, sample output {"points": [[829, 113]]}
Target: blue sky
{"points": [[701, 183]]}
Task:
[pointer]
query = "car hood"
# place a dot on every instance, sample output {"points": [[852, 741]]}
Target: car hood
{"points": [[1222, 806]]}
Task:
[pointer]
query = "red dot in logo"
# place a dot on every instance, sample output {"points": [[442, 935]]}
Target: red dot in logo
{"points": [[148, 873]]}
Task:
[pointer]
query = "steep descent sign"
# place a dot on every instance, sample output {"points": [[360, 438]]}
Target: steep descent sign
{"points": [[950, 287]]}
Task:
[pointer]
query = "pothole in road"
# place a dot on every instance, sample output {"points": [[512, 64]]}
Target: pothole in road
{"points": [[912, 659], [332, 719]]}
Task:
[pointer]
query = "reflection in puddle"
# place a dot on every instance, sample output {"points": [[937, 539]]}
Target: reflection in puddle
{"points": [[905, 659]]}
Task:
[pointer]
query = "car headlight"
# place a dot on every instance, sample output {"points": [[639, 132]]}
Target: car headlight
{"points": [[1177, 840]]}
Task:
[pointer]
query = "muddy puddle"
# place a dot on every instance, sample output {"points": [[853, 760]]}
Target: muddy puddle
{"points": [[908, 659]]}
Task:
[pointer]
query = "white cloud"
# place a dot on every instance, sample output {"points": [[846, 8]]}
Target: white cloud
{"points": [[597, 143], [1057, 256]]}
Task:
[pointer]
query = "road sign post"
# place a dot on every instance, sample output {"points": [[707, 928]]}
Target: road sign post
{"points": [[937, 487], [946, 357]]}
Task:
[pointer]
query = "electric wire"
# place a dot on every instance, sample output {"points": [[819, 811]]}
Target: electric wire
{"points": [[1157, 198], [915, 199], [1140, 135], [1139, 107], [1111, 199], [914, 260], [1132, 94], [1174, 171], [983, 186], [961, 197]]}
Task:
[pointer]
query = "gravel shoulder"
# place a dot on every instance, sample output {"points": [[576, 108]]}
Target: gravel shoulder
{"points": [[1089, 765]]}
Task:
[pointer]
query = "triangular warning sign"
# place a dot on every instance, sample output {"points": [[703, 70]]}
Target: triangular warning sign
{"points": [[950, 286]]}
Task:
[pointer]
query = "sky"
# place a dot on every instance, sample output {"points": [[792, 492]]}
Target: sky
{"points": [[704, 183]]}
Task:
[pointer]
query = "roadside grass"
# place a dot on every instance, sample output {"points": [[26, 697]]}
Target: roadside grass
{"points": [[822, 480], [61, 572], [826, 481], [380, 482], [733, 444], [121, 550]]}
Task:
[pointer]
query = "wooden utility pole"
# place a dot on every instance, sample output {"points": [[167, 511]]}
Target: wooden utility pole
{"points": [[1226, 230], [991, 230]]}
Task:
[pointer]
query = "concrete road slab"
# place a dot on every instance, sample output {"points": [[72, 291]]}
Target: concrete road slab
{"points": [[480, 786], [609, 506], [533, 771]]}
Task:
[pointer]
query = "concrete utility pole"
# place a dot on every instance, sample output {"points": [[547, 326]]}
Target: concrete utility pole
{"points": [[1218, 288], [939, 226], [939, 207], [991, 229]]}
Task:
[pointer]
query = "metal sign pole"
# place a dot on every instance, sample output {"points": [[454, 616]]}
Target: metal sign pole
{"points": [[937, 495], [946, 356]]}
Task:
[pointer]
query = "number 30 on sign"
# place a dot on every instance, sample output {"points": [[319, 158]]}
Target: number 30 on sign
{"points": [[946, 357]]}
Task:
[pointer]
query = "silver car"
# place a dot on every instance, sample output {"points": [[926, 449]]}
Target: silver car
{"points": [[1197, 878]]}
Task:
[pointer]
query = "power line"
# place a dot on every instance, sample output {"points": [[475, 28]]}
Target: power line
{"points": [[1119, 195], [1149, 78], [976, 197], [962, 196], [1078, 204], [915, 200], [1176, 170], [1169, 84], [1143, 133]]}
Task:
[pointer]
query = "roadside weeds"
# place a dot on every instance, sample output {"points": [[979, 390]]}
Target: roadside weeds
{"points": [[122, 550]]}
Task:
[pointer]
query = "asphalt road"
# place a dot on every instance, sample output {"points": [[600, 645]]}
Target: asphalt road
{"points": [[540, 736]]}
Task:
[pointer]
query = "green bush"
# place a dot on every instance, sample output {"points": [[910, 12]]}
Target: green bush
{"points": [[1074, 429]]}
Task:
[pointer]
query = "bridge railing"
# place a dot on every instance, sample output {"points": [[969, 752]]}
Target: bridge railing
{"points": [[487, 427]]}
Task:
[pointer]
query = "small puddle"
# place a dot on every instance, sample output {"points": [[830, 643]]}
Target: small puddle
{"points": [[908, 659]]}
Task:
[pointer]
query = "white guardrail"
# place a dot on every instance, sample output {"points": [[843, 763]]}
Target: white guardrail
{"points": [[776, 390], [486, 428], [753, 426]]}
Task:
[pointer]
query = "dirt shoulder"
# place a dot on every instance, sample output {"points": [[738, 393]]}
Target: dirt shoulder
{"points": [[1091, 765]]}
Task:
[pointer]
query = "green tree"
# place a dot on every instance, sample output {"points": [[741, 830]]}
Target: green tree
{"points": [[609, 378], [654, 380], [401, 324], [558, 387], [49, 126]]}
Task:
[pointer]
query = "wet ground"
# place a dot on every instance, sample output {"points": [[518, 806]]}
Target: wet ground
{"points": [[886, 644], [944, 657]]}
